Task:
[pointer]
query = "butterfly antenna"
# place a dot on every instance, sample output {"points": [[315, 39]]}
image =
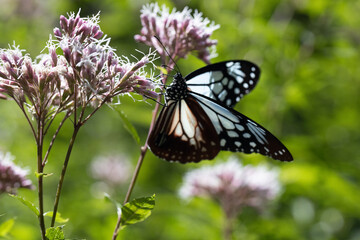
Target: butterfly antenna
{"points": [[157, 38], [155, 100]]}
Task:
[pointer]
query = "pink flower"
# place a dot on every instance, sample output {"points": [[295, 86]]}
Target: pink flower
{"points": [[94, 66], [234, 186], [87, 72], [180, 32], [12, 177], [34, 84]]}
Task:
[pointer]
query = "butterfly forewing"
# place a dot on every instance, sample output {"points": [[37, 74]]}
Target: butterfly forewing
{"points": [[238, 133], [225, 82], [184, 133]]}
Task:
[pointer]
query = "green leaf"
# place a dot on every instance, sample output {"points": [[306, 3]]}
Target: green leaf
{"points": [[6, 226], [58, 218], [128, 126], [116, 203], [43, 174], [27, 203], [53, 233], [137, 210]]}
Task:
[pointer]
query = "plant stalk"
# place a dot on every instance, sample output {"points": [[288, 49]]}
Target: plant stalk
{"points": [[39, 142], [62, 176]]}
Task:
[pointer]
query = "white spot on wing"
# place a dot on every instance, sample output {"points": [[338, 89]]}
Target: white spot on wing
{"points": [[225, 81], [222, 95], [175, 118], [226, 123], [258, 132], [216, 75], [178, 130], [239, 79], [229, 64], [239, 127], [217, 87], [233, 134], [188, 120], [231, 84], [246, 135]]}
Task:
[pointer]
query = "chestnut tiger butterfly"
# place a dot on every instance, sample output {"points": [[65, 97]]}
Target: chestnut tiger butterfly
{"points": [[198, 119]]}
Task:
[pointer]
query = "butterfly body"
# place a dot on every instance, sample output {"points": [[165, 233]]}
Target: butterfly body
{"points": [[198, 120], [177, 89]]}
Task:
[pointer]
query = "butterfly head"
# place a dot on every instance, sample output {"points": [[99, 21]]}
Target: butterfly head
{"points": [[177, 89]]}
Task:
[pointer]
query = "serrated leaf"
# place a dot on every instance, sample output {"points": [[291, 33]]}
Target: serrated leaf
{"points": [[6, 226], [137, 210], [27, 203], [58, 218], [128, 126], [55, 233], [116, 203]]}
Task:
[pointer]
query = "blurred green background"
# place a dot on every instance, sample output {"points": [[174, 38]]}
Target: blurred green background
{"points": [[308, 96]]}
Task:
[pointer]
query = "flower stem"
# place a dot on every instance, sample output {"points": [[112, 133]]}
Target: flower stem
{"points": [[62, 176], [40, 177], [228, 227], [54, 137]]}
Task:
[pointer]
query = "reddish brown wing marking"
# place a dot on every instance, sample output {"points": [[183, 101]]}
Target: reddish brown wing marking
{"points": [[184, 133]]}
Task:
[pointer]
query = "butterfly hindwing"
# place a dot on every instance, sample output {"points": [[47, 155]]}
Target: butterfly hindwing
{"points": [[225, 82], [238, 133], [184, 133]]}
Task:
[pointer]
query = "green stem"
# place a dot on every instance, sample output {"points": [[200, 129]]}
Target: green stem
{"points": [[62, 176], [40, 177]]}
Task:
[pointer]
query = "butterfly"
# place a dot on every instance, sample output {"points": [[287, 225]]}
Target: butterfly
{"points": [[198, 119]]}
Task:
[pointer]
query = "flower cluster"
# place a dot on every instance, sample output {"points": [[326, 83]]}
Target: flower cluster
{"points": [[12, 177], [86, 73], [33, 84], [95, 67], [233, 185], [180, 32]]}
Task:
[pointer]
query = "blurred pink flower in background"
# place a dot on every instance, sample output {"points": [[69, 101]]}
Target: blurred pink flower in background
{"points": [[113, 170], [12, 176], [180, 32], [234, 186]]}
